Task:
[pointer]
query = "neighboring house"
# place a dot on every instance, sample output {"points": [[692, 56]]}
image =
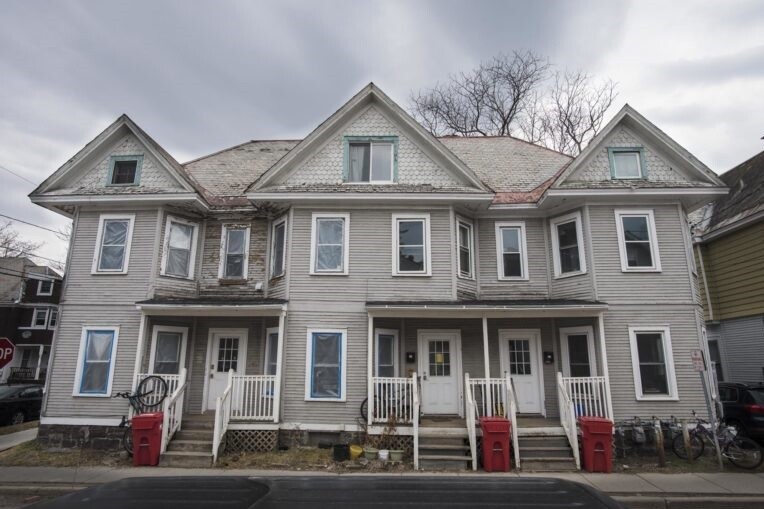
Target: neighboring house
{"points": [[278, 284], [729, 237], [29, 295]]}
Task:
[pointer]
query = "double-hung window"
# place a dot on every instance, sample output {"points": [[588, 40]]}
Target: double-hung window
{"points": [[45, 287], [168, 350], [179, 248], [627, 163], [125, 170], [329, 241], [411, 245], [637, 241], [115, 232], [387, 352], [370, 160], [465, 249], [653, 363], [568, 245], [53, 319], [271, 350], [325, 366], [578, 351], [278, 247], [511, 251], [234, 251], [95, 364], [39, 318]]}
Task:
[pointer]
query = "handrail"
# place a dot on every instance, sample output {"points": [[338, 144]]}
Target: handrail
{"points": [[568, 417], [512, 416], [415, 417], [172, 408], [392, 399], [469, 413], [222, 417]]}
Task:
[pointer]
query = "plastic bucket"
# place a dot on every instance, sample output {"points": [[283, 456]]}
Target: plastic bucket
{"points": [[341, 452], [355, 452]]}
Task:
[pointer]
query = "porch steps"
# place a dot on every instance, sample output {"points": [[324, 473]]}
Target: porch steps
{"points": [[443, 448], [192, 445], [545, 452]]}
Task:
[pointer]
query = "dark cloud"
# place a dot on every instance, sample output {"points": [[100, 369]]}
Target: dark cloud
{"points": [[745, 64]]}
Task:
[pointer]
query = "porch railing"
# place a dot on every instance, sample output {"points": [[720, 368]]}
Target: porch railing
{"points": [[495, 397], [173, 381], [393, 398], [470, 412], [172, 407], [568, 417], [222, 417], [415, 417], [589, 396], [253, 397]]}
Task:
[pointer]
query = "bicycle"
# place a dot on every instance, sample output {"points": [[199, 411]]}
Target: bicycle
{"points": [[149, 394], [391, 399], [740, 451]]}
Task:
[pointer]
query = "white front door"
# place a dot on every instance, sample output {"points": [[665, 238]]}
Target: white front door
{"points": [[440, 368], [228, 350], [520, 356]]}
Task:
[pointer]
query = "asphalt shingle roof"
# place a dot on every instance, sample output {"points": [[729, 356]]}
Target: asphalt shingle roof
{"points": [[746, 196]]}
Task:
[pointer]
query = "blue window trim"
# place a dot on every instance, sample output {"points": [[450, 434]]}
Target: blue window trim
{"points": [[85, 359], [611, 151], [347, 140], [313, 364], [138, 167]]}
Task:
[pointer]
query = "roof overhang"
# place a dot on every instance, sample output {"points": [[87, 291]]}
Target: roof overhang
{"points": [[211, 309], [457, 310], [690, 197], [446, 198], [731, 226], [58, 202]]}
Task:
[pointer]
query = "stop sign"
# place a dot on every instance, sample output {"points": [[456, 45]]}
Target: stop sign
{"points": [[6, 351]]}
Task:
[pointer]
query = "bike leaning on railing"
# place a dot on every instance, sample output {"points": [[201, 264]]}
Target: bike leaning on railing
{"points": [[149, 394], [740, 451]]}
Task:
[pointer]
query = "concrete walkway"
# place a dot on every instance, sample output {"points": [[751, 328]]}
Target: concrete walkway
{"points": [[18, 438]]}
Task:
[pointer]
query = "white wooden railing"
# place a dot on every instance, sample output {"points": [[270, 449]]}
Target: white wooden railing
{"points": [[172, 385], [172, 407], [512, 416], [222, 417], [494, 397], [568, 417], [253, 397], [589, 396], [393, 398], [415, 417], [470, 412]]}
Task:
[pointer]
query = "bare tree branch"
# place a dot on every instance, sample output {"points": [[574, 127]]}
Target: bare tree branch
{"points": [[12, 244]]}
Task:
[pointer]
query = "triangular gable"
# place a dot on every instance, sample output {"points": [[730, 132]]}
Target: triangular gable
{"points": [[369, 95], [633, 123]]}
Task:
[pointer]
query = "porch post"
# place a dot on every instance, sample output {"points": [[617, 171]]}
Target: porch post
{"points": [[603, 355], [39, 361], [139, 351], [279, 357], [486, 361], [370, 370]]}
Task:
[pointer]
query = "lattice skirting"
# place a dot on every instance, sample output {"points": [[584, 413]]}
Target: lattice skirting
{"points": [[251, 440], [396, 442]]}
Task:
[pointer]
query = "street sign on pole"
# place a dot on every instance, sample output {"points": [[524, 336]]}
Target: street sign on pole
{"points": [[7, 348]]}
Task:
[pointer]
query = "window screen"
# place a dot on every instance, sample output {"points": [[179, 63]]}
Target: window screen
{"points": [[96, 362], [326, 365]]}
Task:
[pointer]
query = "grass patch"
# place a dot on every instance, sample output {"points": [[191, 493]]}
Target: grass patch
{"points": [[6, 430], [30, 454], [306, 458]]}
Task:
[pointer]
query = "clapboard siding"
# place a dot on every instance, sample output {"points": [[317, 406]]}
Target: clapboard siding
{"points": [[742, 342], [169, 286], [671, 285], [536, 287], [370, 261]]}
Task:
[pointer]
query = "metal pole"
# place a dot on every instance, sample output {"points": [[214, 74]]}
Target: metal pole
{"points": [[712, 418]]}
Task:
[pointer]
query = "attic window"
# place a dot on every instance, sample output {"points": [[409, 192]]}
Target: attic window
{"points": [[370, 159], [125, 170], [627, 163]]}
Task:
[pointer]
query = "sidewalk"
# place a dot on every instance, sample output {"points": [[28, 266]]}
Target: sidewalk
{"points": [[635, 490], [18, 438]]}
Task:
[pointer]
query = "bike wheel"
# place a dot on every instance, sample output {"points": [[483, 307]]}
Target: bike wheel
{"points": [[696, 446], [365, 409], [744, 453], [151, 391], [127, 440]]}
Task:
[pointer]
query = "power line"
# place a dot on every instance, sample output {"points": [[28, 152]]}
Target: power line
{"points": [[29, 253], [16, 174], [21, 275], [31, 224]]}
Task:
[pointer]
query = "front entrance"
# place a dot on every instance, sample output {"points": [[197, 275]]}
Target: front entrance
{"points": [[520, 351], [227, 350], [440, 365]]}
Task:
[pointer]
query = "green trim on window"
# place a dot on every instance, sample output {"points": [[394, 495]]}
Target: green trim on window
{"points": [[347, 140], [642, 163], [139, 165]]}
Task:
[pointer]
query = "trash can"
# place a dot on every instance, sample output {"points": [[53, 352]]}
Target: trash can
{"points": [[597, 444], [147, 439], [496, 432]]}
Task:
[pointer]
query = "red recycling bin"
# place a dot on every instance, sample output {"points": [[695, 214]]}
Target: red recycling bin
{"points": [[496, 432], [147, 439], [597, 444]]}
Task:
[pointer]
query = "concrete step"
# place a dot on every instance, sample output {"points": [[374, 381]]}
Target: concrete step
{"points": [[525, 442], [443, 432], [448, 462], [190, 445], [198, 424], [438, 440], [191, 434], [548, 465], [546, 452], [443, 447], [541, 432], [186, 459]]}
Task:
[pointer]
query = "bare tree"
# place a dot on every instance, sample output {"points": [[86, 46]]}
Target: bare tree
{"points": [[12, 244]]}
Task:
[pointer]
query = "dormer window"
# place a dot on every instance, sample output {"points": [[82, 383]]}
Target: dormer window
{"points": [[371, 159], [125, 170], [627, 163]]}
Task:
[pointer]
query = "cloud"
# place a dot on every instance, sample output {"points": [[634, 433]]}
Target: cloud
{"points": [[745, 64]]}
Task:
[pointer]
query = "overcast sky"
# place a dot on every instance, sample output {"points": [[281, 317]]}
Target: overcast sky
{"points": [[202, 75]]}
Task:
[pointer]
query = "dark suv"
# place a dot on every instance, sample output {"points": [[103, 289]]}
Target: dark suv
{"points": [[744, 407]]}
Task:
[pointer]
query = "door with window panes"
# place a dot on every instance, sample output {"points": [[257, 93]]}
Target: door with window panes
{"points": [[228, 352]]}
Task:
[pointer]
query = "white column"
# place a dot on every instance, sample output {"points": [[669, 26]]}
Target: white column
{"points": [[370, 369], [486, 360], [279, 357], [603, 355], [139, 350]]}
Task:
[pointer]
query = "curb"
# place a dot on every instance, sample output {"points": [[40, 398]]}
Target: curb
{"points": [[694, 502]]}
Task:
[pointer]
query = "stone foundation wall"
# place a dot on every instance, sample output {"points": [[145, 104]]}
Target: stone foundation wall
{"points": [[60, 436]]}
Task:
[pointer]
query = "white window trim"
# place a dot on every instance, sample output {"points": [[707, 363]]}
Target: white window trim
{"points": [[268, 332], [500, 251], [50, 318], [34, 325], [39, 287], [183, 340], [99, 238], [345, 244], [371, 162], [396, 218], [343, 364], [223, 239], [637, 155], [166, 248], [668, 355], [654, 251], [81, 358], [564, 349], [554, 223], [282, 269], [469, 224], [396, 348]]}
